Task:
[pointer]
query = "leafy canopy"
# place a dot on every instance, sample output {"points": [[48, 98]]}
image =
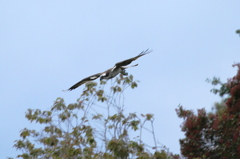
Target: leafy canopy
{"points": [[93, 127], [214, 135]]}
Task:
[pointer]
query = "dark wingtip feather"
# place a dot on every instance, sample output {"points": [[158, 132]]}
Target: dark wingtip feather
{"points": [[70, 89], [145, 52]]}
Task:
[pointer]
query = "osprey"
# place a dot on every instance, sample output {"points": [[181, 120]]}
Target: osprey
{"points": [[112, 72]]}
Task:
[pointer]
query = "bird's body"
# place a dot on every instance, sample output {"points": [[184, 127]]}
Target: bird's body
{"points": [[112, 72]]}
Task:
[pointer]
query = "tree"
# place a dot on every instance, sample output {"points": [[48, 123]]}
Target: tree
{"points": [[80, 130], [214, 135]]}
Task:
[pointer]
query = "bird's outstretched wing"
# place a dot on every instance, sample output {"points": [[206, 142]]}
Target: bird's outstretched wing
{"points": [[128, 61], [90, 78]]}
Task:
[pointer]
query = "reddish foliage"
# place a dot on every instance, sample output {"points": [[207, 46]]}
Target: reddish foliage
{"points": [[210, 135], [215, 124]]}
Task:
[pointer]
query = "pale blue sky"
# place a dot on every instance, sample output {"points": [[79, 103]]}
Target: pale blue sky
{"points": [[47, 46]]}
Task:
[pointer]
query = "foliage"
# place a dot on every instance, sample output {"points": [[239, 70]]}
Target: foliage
{"points": [[80, 130], [238, 31], [214, 135], [223, 90], [219, 107]]}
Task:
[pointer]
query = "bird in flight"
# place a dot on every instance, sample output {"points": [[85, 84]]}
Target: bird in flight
{"points": [[112, 72]]}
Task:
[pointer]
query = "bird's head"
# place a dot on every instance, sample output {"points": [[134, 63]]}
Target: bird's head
{"points": [[102, 76]]}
